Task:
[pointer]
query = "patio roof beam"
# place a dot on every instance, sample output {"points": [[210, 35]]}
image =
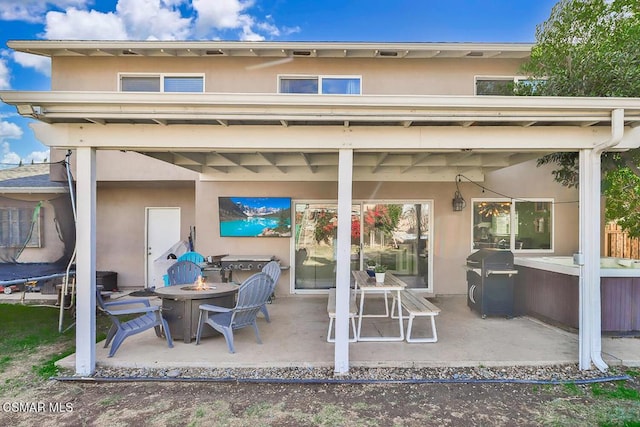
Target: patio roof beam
{"points": [[286, 115], [232, 158], [379, 162], [307, 160], [197, 158], [271, 158], [458, 158], [535, 108], [415, 160], [589, 124]]}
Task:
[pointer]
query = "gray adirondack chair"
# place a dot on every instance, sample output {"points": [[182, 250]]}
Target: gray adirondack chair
{"points": [[150, 317], [183, 272], [272, 269], [252, 295]]}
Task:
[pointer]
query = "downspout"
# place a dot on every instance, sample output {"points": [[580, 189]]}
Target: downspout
{"points": [[617, 133]]}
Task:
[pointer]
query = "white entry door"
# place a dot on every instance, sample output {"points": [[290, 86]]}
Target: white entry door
{"points": [[163, 231]]}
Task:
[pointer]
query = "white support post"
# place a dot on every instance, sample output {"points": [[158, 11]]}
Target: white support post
{"points": [[343, 260], [590, 318], [86, 262], [590, 330], [586, 261]]}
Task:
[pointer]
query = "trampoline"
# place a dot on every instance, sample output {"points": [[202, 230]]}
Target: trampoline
{"points": [[19, 273]]}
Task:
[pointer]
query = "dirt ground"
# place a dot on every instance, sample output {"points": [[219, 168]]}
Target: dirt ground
{"points": [[28, 401]]}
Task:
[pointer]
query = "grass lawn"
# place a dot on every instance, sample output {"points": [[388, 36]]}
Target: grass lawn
{"points": [[25, 328]]}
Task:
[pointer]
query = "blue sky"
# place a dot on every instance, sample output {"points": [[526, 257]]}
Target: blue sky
{"points": [[270, 20]]}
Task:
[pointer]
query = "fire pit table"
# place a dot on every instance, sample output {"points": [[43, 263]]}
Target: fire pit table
{"points": [[180, 306]]}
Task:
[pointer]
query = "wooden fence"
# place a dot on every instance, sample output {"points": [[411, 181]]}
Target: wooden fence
{"points": [[618, 244]]}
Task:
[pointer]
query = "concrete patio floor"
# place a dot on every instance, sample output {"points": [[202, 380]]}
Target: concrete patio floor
{"points": [[296, 337]]}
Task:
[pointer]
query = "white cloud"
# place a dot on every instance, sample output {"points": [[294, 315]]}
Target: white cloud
{"points": [[221, 14], [77, 24], [153, 19], [9, 157], [40, 63], [36, 157], [144, 19], [132, 20], [9, 130], [5, 75], [34, 10]]}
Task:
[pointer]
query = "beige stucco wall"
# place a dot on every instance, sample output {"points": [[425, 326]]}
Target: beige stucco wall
{"points": [[114, 165], [120, 236], [437, 76], [451, 230]]}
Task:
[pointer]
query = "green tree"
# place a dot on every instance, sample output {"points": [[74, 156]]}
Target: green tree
{"points": [[592, 48]]}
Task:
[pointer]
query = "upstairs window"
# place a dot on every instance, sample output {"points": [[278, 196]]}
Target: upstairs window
{"points": [[506, 86], [162, 83], [322, 85]]}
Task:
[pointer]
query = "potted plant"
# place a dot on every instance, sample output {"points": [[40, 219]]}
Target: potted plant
{"points": [[380, 271], [371, 265]]}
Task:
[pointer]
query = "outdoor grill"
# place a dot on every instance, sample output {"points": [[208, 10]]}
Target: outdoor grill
{"points": [[490, 282], [231, 263]]}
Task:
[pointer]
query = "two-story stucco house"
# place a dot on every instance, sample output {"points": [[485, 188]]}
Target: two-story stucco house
{"points": [[366, 143]]}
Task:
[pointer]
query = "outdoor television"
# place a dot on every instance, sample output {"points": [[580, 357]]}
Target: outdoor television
{"points": [[254, 216]]}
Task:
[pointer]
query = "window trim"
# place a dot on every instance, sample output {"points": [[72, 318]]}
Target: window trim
{"points": [[512, 229], [319, 77], [162, 77]]}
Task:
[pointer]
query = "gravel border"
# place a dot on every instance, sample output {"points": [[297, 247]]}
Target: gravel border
{"points": [[533, 374]]}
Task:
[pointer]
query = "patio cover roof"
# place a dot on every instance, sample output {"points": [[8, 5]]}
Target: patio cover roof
{"points": [[227, 136]]}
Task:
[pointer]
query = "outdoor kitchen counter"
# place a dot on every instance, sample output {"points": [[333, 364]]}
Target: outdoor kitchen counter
{"points": [[180, 306]]}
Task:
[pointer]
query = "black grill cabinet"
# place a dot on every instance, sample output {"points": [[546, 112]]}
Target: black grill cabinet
{"points": [[490, 282]]}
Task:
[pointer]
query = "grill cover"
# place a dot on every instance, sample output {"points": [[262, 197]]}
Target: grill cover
{"points": [[490, 282]]}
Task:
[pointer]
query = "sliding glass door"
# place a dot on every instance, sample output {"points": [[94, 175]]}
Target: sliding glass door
{"points": [[397, 235], [315, 244], [394, 234]]}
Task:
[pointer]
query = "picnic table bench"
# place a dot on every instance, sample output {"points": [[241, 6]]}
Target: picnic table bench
{"points": [[331, 311], [418, 306]]}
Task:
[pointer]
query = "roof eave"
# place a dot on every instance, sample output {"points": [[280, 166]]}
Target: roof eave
{"points": [[384, 50]]}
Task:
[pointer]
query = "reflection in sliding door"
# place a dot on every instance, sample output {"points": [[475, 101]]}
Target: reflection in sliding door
{"points": [[315, 244], [396, 235]]}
